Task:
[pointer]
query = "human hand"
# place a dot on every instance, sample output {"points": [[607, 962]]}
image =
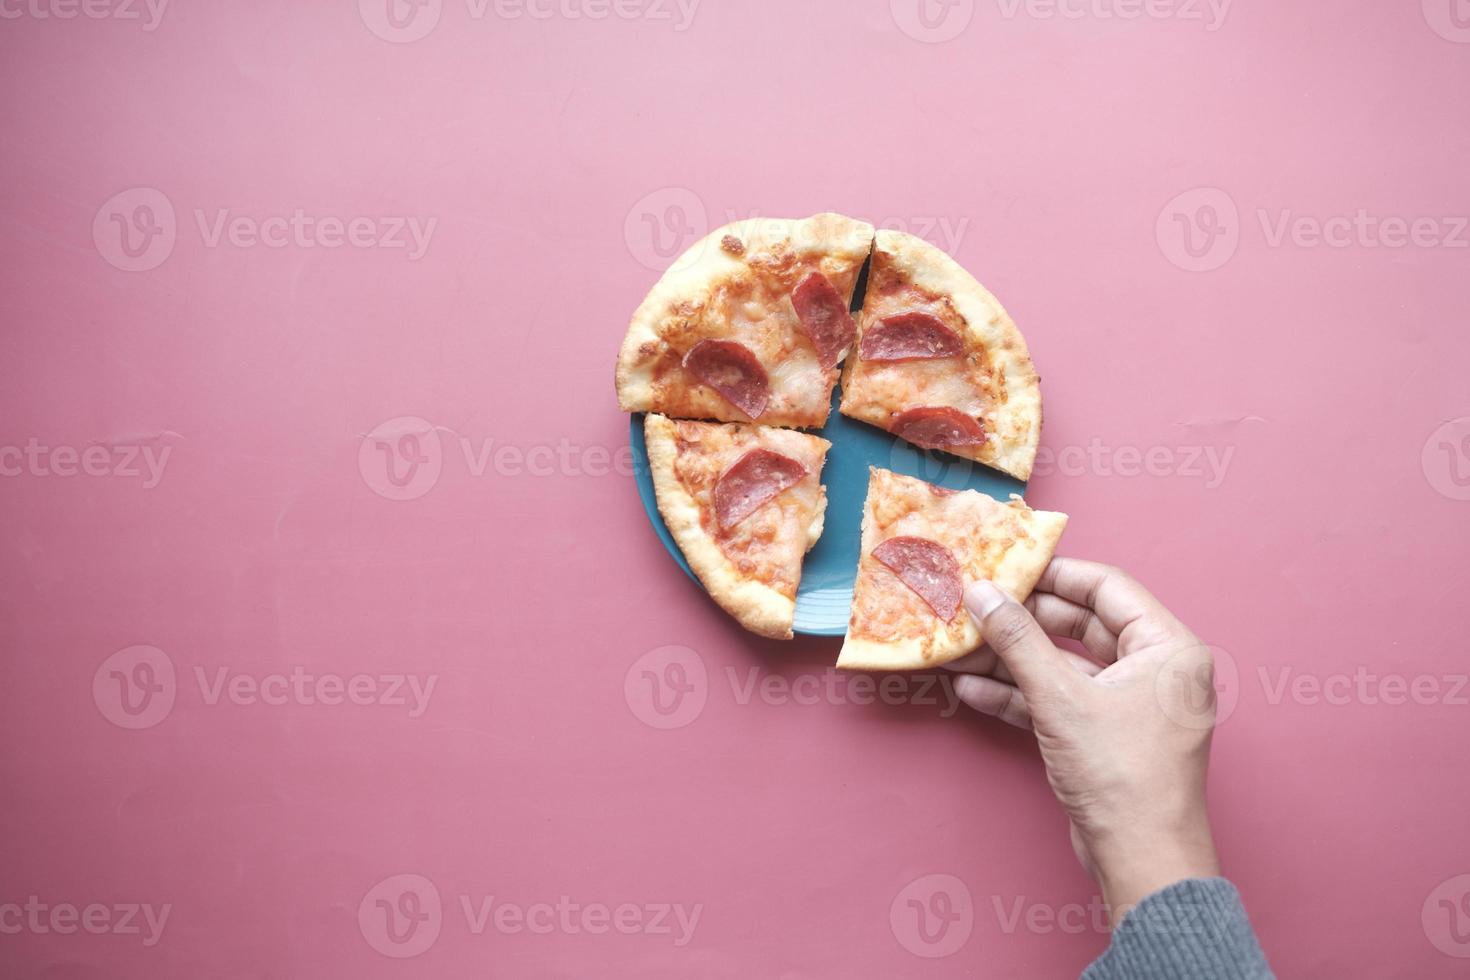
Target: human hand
{"points": [[1125, 738]]}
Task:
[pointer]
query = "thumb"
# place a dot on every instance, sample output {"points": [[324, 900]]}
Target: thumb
{"points": [[1022, 645]]}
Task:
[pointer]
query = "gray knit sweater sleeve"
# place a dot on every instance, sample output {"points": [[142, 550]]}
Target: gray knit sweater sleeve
{"points": [[1192, 930]]}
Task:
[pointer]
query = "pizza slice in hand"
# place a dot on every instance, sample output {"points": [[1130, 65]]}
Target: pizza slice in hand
{"points": [[939, 363], [745, 504], [748, 325], [921, 545]]}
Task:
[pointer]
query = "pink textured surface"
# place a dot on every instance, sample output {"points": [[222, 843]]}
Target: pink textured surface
{"points": [[546, 150]]}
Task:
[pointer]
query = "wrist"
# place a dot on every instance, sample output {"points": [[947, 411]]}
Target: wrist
{"points": [[1136, 863]]}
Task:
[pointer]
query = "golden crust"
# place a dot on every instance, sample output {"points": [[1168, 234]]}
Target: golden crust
{"points": [[752, 570], [735, 284], [891, 627], [997, 383]]}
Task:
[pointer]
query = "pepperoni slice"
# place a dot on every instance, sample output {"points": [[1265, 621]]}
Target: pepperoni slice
{"points": [[928, 568], [937, 428], [755, 480], [910, 337], [732, 370], [823, 314]]}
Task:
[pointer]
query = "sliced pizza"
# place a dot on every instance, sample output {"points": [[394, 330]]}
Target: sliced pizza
{"points": [[749, 324], [938, 361], [921, 545], [745, 504]]}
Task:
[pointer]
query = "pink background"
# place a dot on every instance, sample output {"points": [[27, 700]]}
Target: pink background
{"points": [[546, 150]]}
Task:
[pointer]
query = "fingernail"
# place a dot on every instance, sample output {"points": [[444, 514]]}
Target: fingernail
{"points": [[983, 598]]}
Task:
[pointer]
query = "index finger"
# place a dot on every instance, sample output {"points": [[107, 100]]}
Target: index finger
{"points": [[1112, 594]]}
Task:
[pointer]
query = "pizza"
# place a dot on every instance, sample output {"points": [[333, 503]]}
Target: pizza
{"points": [[744, 503], [749, 325], [921, 545], [741, 342], [939, 363]]}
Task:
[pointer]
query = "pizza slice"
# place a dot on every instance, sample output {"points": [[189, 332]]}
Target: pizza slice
{"points": [[939, 363], [749, 324], [921, 545], [745, 504]]}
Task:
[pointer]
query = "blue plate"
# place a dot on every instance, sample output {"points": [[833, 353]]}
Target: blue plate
{"points": [[825, 594]]}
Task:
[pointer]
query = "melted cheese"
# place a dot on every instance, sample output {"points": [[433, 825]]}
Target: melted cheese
{"points": [[977, 530], [767, 546], [876, 391]]}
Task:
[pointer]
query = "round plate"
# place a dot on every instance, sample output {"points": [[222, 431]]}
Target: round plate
{"points": [[825, 594]]}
